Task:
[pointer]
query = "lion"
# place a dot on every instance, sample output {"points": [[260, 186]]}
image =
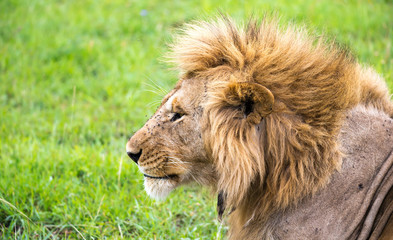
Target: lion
{"points": [[255, 115]]}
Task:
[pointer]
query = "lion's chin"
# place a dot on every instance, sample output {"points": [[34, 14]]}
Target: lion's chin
{"points": [[159, 189]]}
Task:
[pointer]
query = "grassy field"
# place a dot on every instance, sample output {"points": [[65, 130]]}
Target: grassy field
{"points": [[77, 78]]}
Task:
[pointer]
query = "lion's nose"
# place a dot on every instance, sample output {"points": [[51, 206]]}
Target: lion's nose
{"points": [[135, 156]]}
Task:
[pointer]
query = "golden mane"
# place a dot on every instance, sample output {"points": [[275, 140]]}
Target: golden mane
{"points": [[288, 149]]}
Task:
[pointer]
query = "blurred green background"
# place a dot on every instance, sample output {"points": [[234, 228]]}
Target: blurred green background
{"points": [[77, 78]]}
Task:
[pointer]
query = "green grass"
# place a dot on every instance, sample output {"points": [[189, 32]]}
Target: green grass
{"points": [[78, 77]]}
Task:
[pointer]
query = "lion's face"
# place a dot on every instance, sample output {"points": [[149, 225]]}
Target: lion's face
{"points": [[169, 149], [188, 139]]}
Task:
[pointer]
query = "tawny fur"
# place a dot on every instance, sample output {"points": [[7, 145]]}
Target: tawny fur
{"points": [[292, 152], [256, 115]]}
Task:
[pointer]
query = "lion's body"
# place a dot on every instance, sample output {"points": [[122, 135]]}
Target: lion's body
{"points": [[262, 109]]}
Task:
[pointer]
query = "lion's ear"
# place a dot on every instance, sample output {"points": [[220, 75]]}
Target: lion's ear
{"points": [[231, 138], [252, 99]]}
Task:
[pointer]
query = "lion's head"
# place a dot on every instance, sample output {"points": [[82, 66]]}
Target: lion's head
{"points": [[255, 114], [169, 149]]}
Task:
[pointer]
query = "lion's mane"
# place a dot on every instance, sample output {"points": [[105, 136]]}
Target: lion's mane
{"points": [[270, 161]]}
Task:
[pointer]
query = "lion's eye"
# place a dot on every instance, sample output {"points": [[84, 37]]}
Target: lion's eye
{"points": [[176, 116]]}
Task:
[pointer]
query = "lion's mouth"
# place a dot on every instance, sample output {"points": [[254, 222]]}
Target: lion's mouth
{"points": [[163, 177]]}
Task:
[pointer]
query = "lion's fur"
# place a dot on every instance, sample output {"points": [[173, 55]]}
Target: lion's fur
{"points": [[294, 150], [267, 105]]}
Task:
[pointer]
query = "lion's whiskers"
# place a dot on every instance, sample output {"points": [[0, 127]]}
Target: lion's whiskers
{"points": [[154, 102], [177, 162], [157, 89]]}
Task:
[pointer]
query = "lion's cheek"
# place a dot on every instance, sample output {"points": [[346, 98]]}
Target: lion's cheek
{"points": [[159, 189]]}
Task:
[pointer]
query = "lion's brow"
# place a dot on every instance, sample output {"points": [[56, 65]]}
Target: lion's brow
{"points": [[167, 97]]}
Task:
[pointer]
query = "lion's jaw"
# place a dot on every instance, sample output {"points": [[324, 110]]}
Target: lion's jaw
{"points": [[170, 143], [159, 189]]}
